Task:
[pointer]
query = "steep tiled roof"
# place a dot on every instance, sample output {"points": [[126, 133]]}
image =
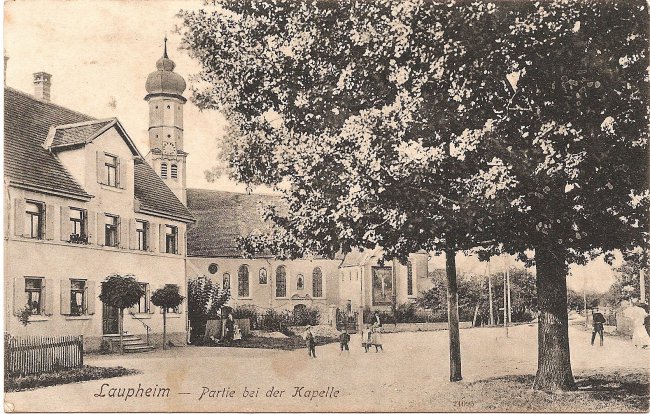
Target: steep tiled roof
{"points": [[27, 122], [79, 133], [221, 217], [359, 258], [154, 195]]}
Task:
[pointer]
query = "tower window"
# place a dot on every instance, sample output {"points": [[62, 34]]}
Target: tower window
{"points": [[174, 171], [169, 136], [168, 106], [163, 170]]}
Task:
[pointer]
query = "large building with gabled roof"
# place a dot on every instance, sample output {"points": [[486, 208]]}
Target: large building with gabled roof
{"points": [[81, 203]]}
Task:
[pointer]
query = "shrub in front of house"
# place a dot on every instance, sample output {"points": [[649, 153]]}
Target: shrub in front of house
{"points": [[306, 316], [247, 312]]}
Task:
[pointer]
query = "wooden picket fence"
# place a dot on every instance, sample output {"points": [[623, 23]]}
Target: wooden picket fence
{"points": [[38, 354]]}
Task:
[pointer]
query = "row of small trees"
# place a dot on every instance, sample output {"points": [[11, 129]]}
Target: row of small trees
{"points": [[475, 293], [122, 292]]}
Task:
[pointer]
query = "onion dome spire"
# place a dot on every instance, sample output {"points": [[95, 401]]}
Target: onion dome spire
{"points": [[164, 80]]}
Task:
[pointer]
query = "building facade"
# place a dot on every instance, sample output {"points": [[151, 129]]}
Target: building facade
{"points": [[262, 281], [81, 203], [370, 285], [349, 284]]}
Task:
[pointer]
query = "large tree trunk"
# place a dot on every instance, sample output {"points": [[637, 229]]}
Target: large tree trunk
{"points": [[452, 317], [553, 358], [164, 328], [121, 324]]}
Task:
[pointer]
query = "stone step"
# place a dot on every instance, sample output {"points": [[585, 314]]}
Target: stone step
{"points": [[125, 339], [138, 348]]}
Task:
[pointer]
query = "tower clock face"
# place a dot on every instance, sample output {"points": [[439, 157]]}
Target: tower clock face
{"points": [[169, 148]]}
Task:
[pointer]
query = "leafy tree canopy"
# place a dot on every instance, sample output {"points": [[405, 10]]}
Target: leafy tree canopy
{"points": [[205, 298], [121, 292], [167, 297], [414, 125]]}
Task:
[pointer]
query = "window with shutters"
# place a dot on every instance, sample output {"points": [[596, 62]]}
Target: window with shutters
{"points": [[171, 238], [143, 304], [281, 282], [78, 300], [141, 228], [163, 170], [34, 292], [110, 164], [174, 171], [78, 226], [111, 230], [317, 283], [34, 220], [243, 282]]}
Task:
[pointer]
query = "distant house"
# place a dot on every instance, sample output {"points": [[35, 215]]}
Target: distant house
{"points": [[366, 283], [82, 203]]}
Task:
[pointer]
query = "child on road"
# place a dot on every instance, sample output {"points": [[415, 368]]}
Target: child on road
{"points": [[311, 342], [344, 339], [365, 337]]}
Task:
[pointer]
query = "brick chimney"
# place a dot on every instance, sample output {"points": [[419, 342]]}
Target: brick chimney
{"points": [[42, 84]]}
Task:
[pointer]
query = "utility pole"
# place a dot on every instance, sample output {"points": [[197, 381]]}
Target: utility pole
{"points": [[509, 306], [490, 294], [584, 299], [505, 305]]}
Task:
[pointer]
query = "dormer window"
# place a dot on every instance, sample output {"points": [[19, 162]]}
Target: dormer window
{"points": [[163, 170], [110, 162], [174, 171]]}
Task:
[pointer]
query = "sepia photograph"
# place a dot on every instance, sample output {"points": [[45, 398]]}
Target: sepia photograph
{"points": [[326, 206]]}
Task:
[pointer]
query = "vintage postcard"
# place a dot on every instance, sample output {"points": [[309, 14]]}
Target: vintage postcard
{"points": [[326, 206]]}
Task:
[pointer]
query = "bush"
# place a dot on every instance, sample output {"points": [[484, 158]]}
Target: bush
{"points": [[406, 313], [279, 321], [306, 316], [247, 312], [273, 321], [204, 301], [67, 376]]}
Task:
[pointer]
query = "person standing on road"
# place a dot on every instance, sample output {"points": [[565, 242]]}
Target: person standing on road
{"points": [[376, 319], [598, 327], [640, 337], [376, 337], [311, 342], [365, 337], [229, 333], [344, 339]]}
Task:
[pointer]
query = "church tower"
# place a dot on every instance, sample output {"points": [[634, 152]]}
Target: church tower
{"points": [[165, 96]]}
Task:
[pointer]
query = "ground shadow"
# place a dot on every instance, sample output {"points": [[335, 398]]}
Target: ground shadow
{"points": [[622, 389]]}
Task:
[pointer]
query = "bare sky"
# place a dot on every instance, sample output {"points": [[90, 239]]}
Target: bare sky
{"points": [[100, 53]]}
